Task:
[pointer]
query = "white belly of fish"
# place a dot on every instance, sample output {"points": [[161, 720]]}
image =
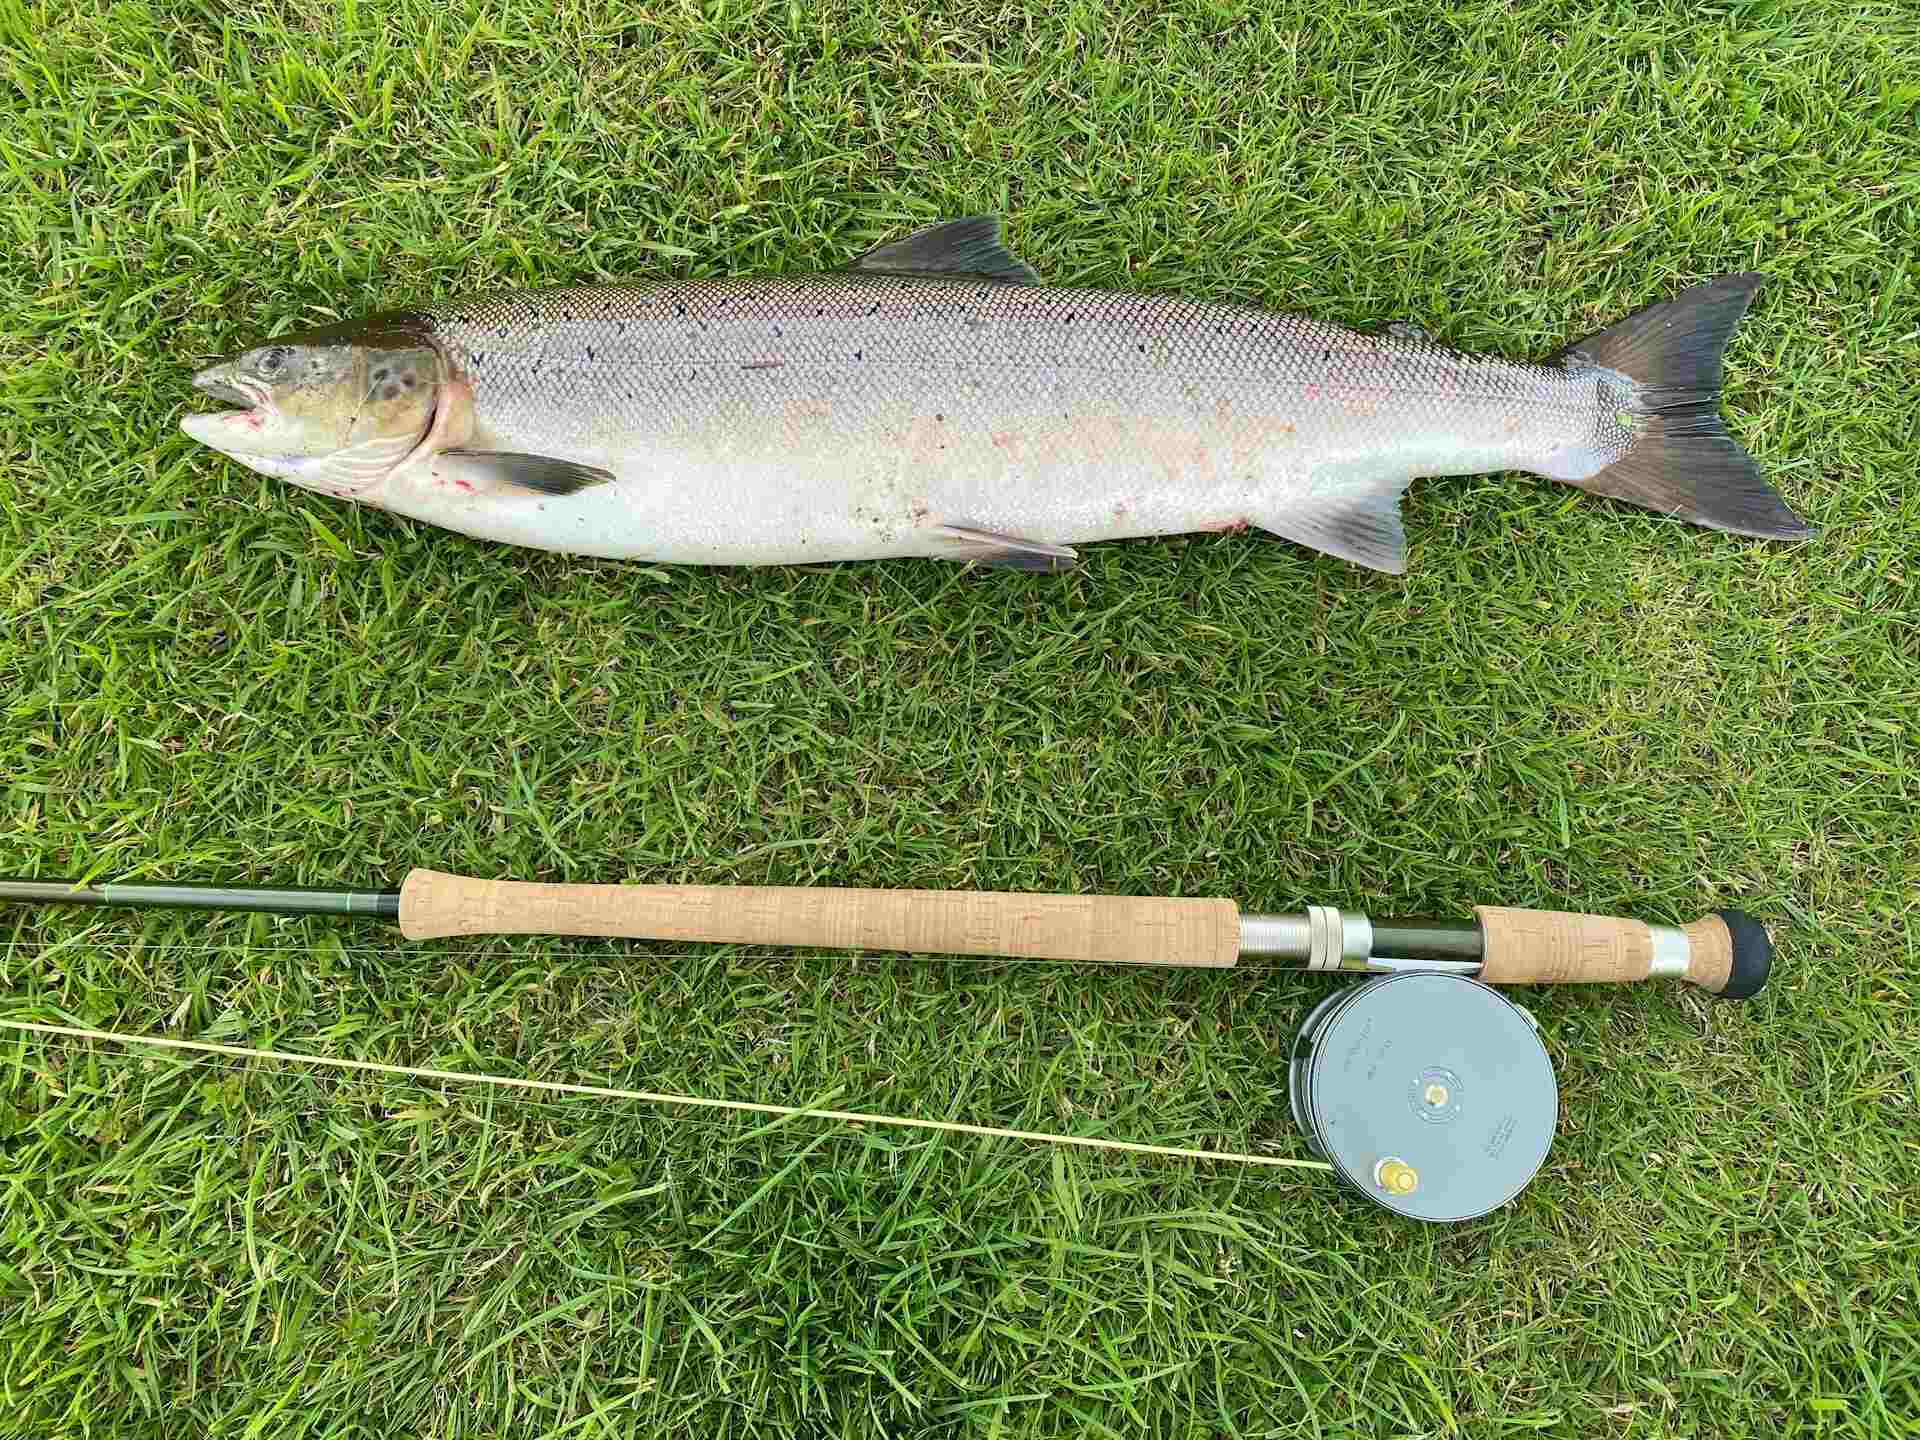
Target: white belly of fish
{"points": [[786, 497]]}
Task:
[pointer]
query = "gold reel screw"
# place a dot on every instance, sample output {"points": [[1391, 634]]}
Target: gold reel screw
{"points": [[1396, 1177]]}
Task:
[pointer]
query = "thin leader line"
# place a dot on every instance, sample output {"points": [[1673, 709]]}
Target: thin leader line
{"points": [[650, 1097], [548, 1108], [1102, 1047], [1049, 1047]]}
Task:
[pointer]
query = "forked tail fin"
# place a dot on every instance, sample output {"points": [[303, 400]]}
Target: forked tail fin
{"points": [[1679, 459]]}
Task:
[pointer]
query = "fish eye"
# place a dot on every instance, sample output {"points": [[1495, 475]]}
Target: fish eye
{"points": [[272, 360]]}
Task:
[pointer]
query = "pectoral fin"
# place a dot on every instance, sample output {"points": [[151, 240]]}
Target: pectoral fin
{"points": [[1002, 552], [493, 471]]}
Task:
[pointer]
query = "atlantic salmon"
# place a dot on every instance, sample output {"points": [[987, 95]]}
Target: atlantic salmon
{"points": [[935, 399]]}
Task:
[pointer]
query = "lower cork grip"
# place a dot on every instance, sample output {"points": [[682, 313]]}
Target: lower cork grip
{"points": [[1112, 929], [1555, 947]]}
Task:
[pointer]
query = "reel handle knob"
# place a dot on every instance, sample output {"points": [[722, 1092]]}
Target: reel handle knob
{"points": [[1726, 953]]}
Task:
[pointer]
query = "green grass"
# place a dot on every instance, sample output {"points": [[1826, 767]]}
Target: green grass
{"points": [[1564, 703]]}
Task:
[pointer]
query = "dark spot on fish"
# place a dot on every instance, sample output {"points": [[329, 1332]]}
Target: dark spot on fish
{"points": [[679, 309], [939, 419], [1070, 317], [874, 309], [1326, 354], [390, 392], [776, 332], [1141, 348], [503, 332], [856, 354], [589, 354], [381, 373]]}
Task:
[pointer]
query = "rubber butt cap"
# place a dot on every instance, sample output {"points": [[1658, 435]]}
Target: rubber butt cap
{"points": [[1752, 955]]}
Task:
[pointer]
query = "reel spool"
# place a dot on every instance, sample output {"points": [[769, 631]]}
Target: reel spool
{"points": [[1429, 1093]]}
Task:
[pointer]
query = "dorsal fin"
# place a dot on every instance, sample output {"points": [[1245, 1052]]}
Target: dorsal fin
{"points": [[953, 247]]}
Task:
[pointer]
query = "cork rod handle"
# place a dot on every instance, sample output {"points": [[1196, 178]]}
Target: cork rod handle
{"points": [[1114, 929], [1726, 953]]}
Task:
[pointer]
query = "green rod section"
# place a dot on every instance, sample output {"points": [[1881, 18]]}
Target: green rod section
{"points": [[268, 899], [1428, 939]]}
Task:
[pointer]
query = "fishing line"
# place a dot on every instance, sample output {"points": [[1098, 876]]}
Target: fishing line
{"points": [[1042, 1044], [1005, 1074], [1008, 1077], [649, 1097], [1099, 1042], [47, 1048], [726, 1130]]}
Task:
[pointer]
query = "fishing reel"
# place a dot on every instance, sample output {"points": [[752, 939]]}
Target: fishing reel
{"points": [[1428, 1092]]}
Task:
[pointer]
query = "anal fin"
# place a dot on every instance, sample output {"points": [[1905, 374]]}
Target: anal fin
{"points": [[1003, 552], [1360, 524], [490, 471]]}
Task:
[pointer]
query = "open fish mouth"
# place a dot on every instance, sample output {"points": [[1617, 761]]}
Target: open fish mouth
{"points": [[235, 431], [219, 383]]}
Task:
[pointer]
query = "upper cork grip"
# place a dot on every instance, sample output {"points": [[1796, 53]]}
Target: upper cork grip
{"points": [[1112, 929], [1727, 953]]}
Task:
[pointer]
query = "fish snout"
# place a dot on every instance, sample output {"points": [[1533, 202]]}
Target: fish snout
{"points": [[218, 381]]}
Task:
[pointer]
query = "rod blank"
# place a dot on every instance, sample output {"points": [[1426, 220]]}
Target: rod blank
{"points": [[263, 899]]}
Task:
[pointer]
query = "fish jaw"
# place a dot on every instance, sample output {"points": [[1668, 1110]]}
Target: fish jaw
{"points": [[353, 474], [243, 433], [230, 431], [235, 433]]}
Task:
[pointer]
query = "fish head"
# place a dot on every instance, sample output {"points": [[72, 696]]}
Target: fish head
{"points": [[333, 409]]}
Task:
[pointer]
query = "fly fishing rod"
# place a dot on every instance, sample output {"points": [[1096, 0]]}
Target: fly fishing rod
{"points": [[1423, 1088], [1726, 953]]}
